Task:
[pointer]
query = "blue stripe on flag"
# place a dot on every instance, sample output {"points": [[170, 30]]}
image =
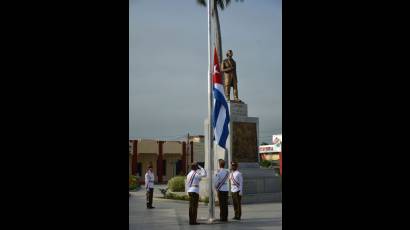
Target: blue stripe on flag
{"points": [[219, 102]]}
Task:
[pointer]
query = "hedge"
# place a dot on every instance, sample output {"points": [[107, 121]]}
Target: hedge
{"points": [[177, 184]]}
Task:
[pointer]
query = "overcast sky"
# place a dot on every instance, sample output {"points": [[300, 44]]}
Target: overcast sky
{"points": [[168, 65]]}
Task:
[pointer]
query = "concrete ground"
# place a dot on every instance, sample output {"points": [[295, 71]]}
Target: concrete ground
{"points": [[173, 214]]}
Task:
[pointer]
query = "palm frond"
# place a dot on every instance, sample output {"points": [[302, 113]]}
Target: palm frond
{"points": [[222, 4], [201, 2], [227, 2]]}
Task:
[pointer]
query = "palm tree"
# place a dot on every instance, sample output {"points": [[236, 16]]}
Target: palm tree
{"points": [[222, 4]]}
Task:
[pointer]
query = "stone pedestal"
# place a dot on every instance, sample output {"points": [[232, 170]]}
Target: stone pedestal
{"points": [[260, 184], [243, 135]]}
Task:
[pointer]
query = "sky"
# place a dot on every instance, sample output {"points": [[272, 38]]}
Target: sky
{"points": [[168, 64]]}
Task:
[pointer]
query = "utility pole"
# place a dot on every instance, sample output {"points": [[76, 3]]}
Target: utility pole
{"points": [[188, 153]]}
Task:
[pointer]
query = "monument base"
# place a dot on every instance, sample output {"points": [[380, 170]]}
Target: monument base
{"points": [[260, 185]]}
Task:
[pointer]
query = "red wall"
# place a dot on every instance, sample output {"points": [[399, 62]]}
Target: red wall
{"points": [[160, 162], [134, 157], [280, 163]]}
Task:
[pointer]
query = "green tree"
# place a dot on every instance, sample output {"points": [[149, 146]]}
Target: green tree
{"points": [[221, 4], [265, 163]]}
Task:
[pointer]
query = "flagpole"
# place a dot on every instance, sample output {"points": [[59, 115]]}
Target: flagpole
{"points": [[210, 129]]}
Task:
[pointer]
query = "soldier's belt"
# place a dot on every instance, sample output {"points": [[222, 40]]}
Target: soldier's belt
{"points": [[197, 186]]}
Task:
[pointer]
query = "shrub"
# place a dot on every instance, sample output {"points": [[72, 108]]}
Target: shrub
{"points": [[133, 182], [173, 196], [177, 184], [170, 195], [164, 191], [205, 200], [265, 163]]}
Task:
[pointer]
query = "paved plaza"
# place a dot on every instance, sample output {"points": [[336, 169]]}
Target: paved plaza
{"points": [[173, 214]]}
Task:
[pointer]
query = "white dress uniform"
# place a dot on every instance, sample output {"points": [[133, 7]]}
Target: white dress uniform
{"points": [[236, 182], [149, 180], [221, 180], [149, 186], [193, 178]]}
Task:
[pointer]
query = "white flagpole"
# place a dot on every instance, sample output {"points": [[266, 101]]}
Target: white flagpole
{"points": [[210, 129]]}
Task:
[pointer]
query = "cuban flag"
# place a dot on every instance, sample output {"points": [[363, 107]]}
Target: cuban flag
{"points": [[220, 110]]}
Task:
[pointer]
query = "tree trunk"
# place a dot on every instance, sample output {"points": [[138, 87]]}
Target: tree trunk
{"points": [[218, 39]]}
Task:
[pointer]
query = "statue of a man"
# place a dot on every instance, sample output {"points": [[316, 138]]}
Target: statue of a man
{"points": [[230, 80]]}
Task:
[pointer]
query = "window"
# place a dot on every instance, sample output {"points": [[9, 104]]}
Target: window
{"points": [[178, 167], [139, 166]]}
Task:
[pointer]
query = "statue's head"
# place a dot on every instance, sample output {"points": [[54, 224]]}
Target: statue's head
{"points": [[229, 53]]}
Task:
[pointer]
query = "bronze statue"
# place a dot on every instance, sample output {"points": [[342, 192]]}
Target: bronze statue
{"points": [[230, 80]]}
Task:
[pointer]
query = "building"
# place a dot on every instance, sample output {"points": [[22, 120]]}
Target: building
{"points": [[197, 149], [169, 158], [130, 154], [273, 153]]}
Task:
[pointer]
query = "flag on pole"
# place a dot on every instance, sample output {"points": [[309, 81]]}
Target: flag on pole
{"points": [[220, 110]]}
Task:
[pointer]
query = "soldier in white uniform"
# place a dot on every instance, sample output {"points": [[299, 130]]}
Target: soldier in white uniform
{"points": [[149, 186], [236, 189], [192, 184], [221, 186]]}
